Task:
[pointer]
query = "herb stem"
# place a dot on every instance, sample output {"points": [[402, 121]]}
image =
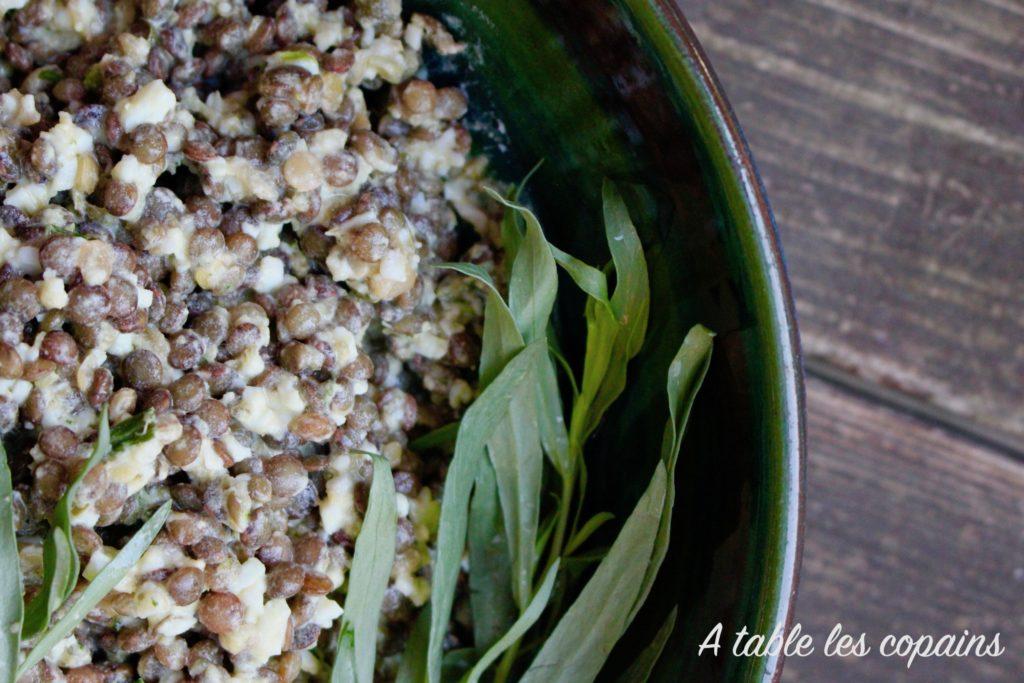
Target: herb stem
{"points": [[504, 669], [564, 508]]}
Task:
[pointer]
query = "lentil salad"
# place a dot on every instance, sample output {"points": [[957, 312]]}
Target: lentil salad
{"points": [[226, 214]]}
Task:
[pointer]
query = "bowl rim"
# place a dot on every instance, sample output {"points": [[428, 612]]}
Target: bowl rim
{"points": [[744, 176]]}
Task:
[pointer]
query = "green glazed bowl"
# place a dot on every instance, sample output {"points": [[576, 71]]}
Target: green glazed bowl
{"points": [[622, 89]]}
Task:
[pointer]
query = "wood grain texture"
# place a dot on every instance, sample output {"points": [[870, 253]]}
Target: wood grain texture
{"points": [[890, 136], [908, 530]]}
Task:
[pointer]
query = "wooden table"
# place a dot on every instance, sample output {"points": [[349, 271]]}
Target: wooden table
{"points": [[890, 136]]}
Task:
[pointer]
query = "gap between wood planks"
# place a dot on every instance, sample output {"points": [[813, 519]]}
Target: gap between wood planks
{"points": [[1004, 443]]}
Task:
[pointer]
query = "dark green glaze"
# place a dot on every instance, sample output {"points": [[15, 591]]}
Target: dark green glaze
{"points": [[621, 89]]}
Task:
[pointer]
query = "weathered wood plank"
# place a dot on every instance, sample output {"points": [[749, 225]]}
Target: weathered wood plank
{"points": [[908, 530], [890, 136]]}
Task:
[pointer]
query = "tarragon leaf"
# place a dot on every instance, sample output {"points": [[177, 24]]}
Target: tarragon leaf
{"points": [[588, 528], [98, 588], [685, 375], [11, 605], [501, 337], [534, 281], [640, 670], [632, 297], [490, 576], [59, 579], [442, 436], [511, 221], [61, 565], [413, 667], [475, 430], [592, 281], [518, 461], [500, 341], [368, 578], [519, 628], [584, 636], [50, 75], [550, 417]]}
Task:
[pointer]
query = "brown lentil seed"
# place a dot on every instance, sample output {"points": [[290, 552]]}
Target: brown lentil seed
{"points": [[120, 197], [159, 400], [142, 369], [148, 144], [122, 297], [419, 96], [186, 529], [187, 392], [285, 580], [186, 350], [185, 585], [220, 612], [286, 474], [134, 640], [199, 151], [59, 347], [101, 387], [11, 366], [184, 450], [86, 540], [87, 304], [18, 297], [211, 549], [215, 415], [172, 653], [243, 247], [58, 442], [38, 368], [310, 426], [302, 320], [369, 243], [316, 583], [90, 673]]}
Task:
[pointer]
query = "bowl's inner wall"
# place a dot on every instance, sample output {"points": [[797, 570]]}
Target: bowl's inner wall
{"points": [[589, 101]]}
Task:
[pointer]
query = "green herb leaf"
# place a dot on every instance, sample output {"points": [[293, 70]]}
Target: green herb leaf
{"points": [[615, 329], [518, 461], [475, 271], [11, 606], [580, 643], [413, 667], [61, 565], [58, 575], [440, 437], [133, 430], [490, 578], [534, 282], [98, 588], [591, 525], [457, 663], [685, 375], [640, 670], [93, 78], [511, 221], [501, 337], [592, 281], [50, 75], [475, 430], [550, 417], [520, 627], [604, 370], [368, 578], [344, 670], [631, 300]]}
